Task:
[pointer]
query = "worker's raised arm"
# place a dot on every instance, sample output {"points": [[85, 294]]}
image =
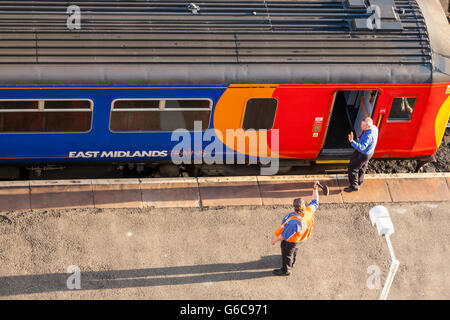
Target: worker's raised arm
{"points": [[315, 194]]}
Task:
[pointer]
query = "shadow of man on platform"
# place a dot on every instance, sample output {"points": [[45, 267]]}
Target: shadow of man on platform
{"points": [[133, 278]]}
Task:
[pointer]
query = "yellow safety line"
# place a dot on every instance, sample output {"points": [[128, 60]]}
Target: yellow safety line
{"points": [[332, 161]]}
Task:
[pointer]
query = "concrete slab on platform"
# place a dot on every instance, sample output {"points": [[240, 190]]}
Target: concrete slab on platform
{"points": [[60, 194], [14, 195], [374, 189], [229, 191], [281, 190], [168, 193], [117, 193], [419, 189]]}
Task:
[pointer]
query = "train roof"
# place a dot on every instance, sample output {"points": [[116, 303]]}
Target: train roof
{"points": [[223, 42]]}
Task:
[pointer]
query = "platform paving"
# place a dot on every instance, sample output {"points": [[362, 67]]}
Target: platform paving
{"points": [[374, 189], [229, 191], [59, 194], [221, 253], [15, 195], [419, 189], [217, 191], [281, 190], [123, 193], [166, 193]]}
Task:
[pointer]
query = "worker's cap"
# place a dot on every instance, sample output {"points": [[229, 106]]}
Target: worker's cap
{"points": [[299, 203]]}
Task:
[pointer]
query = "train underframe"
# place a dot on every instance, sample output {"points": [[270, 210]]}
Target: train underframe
{"points": [[114, 170]]}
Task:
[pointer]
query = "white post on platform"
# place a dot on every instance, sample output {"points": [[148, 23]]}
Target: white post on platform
{"points": [[392, 270], [379, 216]]}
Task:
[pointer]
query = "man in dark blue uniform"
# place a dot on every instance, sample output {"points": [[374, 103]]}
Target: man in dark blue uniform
{"points": [[364, 149]]}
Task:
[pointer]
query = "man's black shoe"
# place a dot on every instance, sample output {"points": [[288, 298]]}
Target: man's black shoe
{"points": [[278, 272], [350, 189]]}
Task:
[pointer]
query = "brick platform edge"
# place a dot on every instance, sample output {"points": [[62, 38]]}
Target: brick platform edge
{"points": [[217, 191]]}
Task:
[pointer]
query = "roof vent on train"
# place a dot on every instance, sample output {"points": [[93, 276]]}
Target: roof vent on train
{"points": [[383, 15]]}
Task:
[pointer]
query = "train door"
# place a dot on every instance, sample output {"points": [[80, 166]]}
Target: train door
{"points": [[349, 108], [398, 118]]}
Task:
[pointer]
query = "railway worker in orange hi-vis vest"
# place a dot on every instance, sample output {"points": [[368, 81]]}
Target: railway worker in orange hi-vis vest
{"points": [[295, 228]]}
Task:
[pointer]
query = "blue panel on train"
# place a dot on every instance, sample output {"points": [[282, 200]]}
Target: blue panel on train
{"points": [[41, 147]]}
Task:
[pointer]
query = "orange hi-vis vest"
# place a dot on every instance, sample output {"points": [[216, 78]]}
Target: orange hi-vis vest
{"points": [[306, 219]]}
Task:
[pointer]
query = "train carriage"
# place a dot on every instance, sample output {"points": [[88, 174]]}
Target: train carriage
{"points": [[110, 82]]}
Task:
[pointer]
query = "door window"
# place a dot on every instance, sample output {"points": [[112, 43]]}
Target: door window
{"points": [[402, 109]]}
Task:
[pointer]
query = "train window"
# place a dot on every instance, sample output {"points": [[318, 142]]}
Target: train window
{"points": [[187, 104], [67, 104], [260, 113], [20, 121], [162, 115], [402, 109], [136, 104], [67, 121], [45, 116], [19, 105]]}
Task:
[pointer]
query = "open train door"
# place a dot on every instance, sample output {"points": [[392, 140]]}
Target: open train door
{"points": [[397, 117], [349, 108]]}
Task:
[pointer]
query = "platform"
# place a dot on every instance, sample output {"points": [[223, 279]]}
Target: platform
{"points": [[220, 253], [217, 191]]}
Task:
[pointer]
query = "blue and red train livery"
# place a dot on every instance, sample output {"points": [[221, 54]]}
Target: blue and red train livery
{"points": [[115, 95]]}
